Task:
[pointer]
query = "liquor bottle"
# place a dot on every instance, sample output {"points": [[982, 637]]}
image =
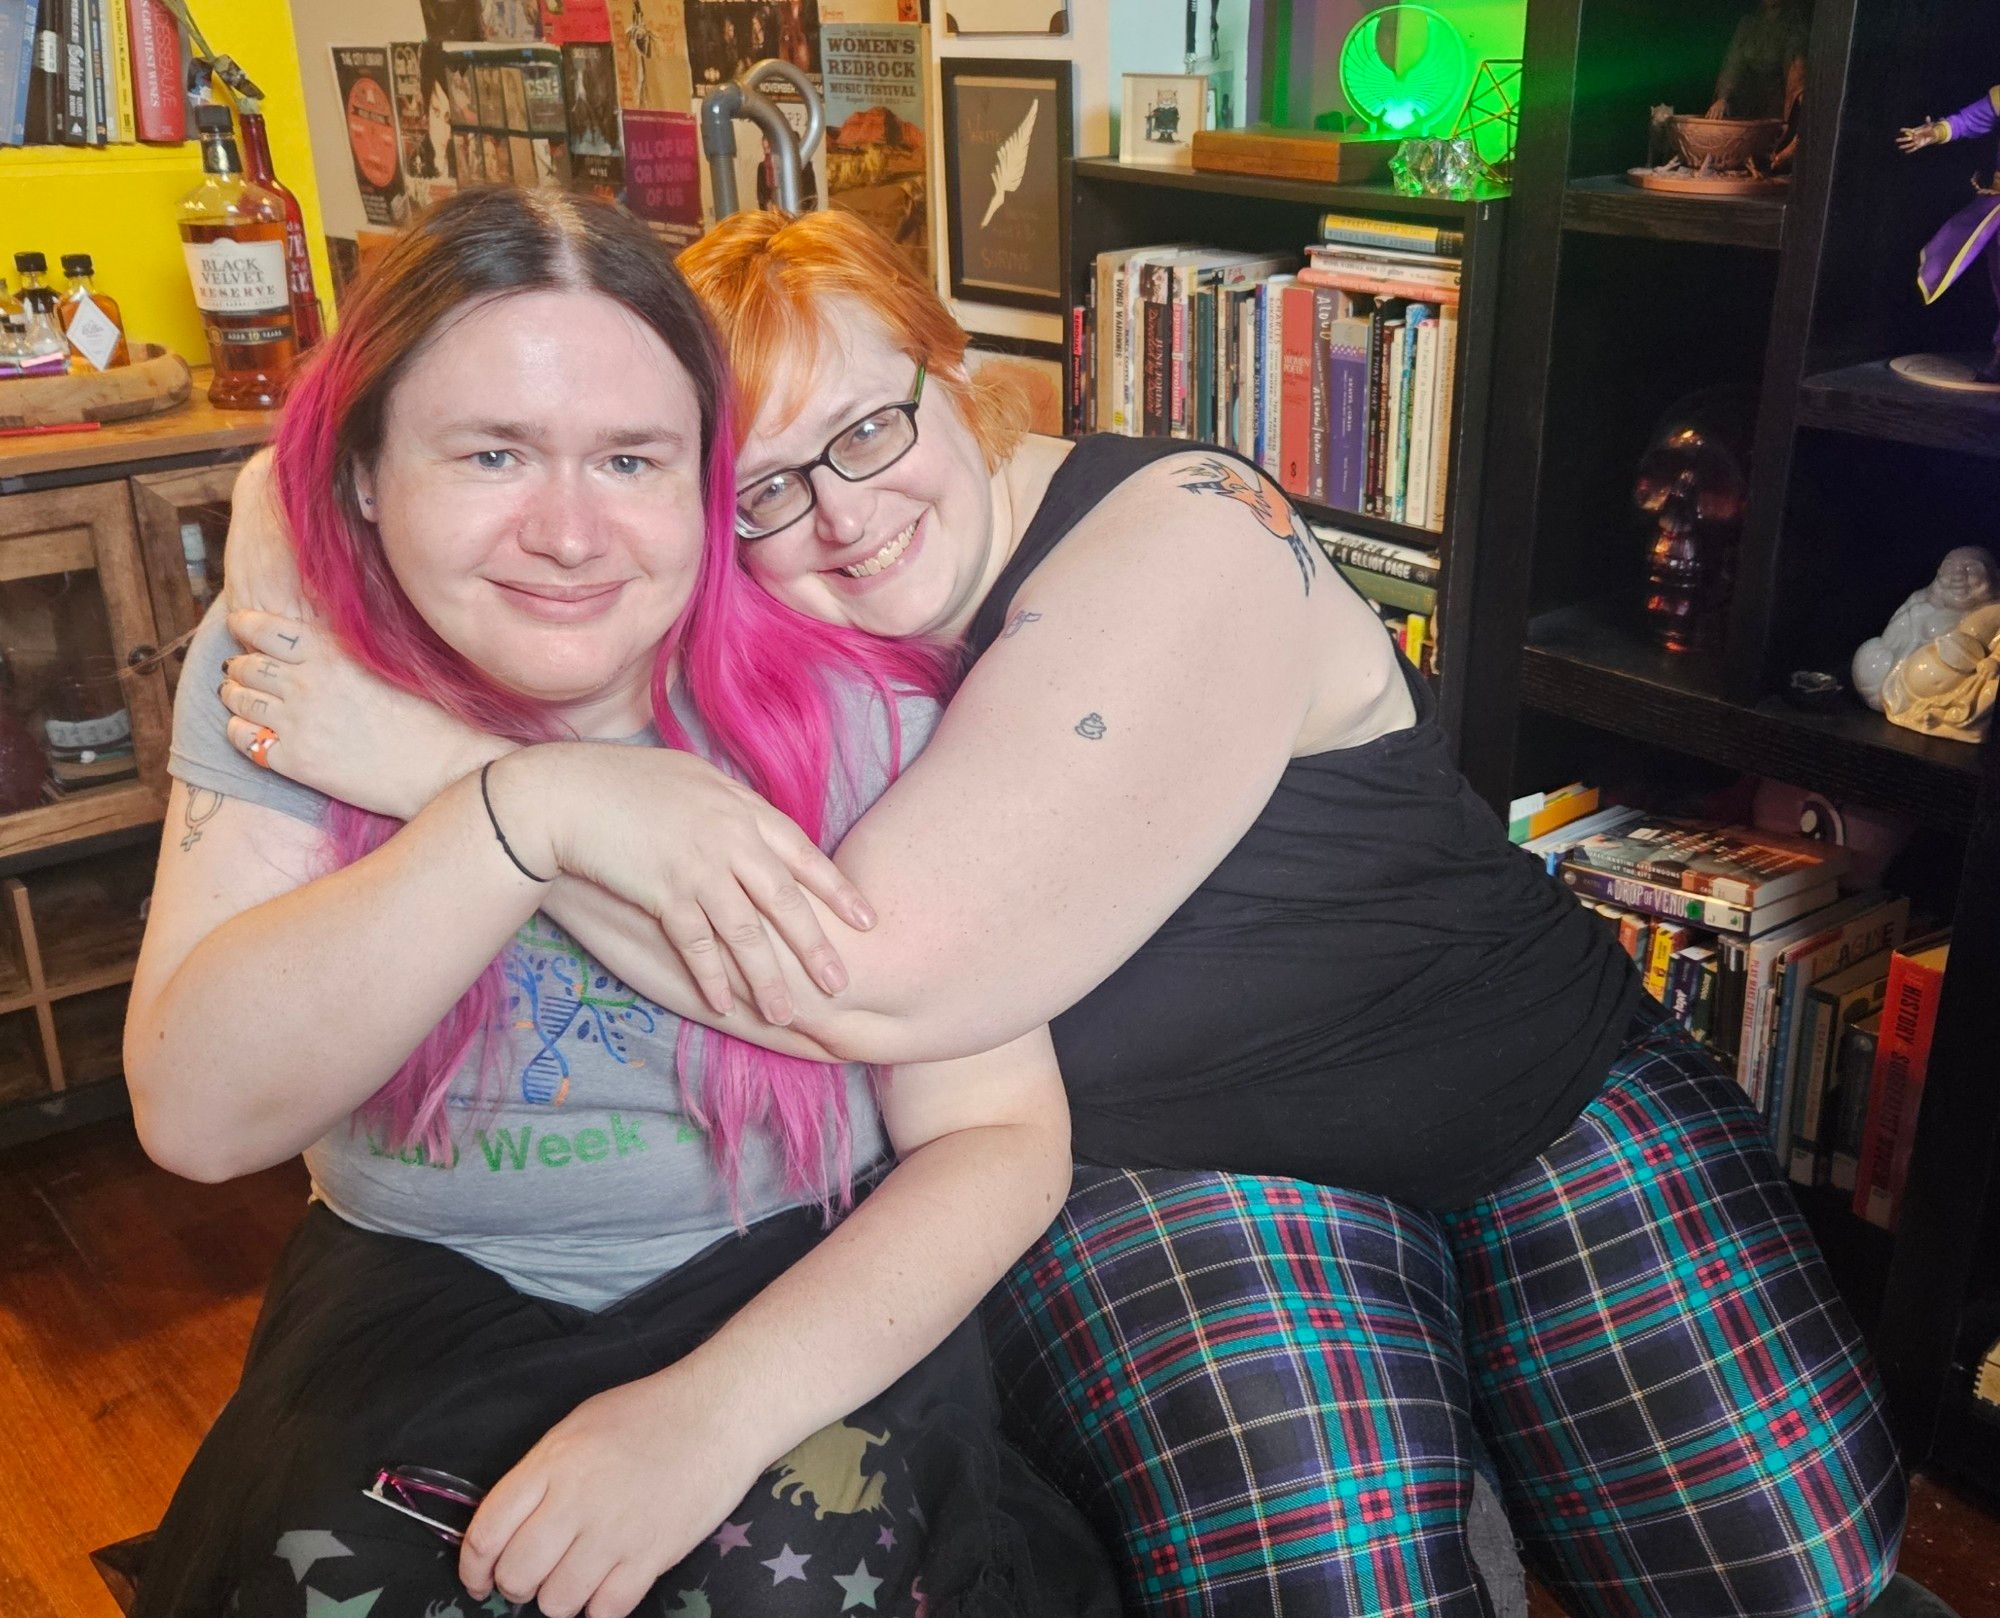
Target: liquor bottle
{"points": [[298, 257], [233, 234], [36, 293], [90, 320]]}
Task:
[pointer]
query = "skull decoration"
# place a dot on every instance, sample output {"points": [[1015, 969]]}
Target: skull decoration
{"points": [[1693, 486]]}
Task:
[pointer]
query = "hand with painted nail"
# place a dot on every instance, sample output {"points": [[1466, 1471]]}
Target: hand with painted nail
{"points": [[725, 875]]}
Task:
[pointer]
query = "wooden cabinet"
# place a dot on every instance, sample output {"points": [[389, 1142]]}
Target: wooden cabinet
{"points": [[110, 551], [84, 709], [183, 518]]}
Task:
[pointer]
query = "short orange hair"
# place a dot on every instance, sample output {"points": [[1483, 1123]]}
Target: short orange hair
{"points": [[765, 278]]}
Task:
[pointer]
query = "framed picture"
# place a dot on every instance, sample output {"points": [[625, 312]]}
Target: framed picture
{"points": [[1006, 134], [1160, 115], [1006, 16]]}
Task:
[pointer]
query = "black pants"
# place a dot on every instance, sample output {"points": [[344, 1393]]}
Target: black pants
{"points": [[381, 1351]]}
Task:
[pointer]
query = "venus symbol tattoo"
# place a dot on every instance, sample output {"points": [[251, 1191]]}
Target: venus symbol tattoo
{"points": [[1213, 475], [1091, 727], [202, 806]]}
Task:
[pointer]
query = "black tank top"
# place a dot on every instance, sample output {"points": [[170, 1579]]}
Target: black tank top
{"points": [[1374, 990]]}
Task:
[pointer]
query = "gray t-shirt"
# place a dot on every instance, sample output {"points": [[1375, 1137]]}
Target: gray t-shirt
{"points": [[582, 1179]]}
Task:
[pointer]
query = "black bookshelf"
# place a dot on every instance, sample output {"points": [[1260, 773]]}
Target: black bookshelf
{"points": [[1114, 205], [1859, 481], [1611, 205], [1872, 401]]}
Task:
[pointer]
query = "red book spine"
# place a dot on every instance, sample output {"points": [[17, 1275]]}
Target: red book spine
{"points": [[1295, 394], [1909, 1014], [159, 105]]}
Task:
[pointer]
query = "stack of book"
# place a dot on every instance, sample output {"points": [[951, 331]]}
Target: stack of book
{"points": [[1745, 936], [1337, 377], [90, 73]]}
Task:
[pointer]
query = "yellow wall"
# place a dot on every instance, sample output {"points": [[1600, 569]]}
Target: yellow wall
{"points": [[117, 202]]}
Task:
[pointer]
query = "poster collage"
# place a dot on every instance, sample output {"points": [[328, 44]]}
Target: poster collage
{"points": [[603, 96]]}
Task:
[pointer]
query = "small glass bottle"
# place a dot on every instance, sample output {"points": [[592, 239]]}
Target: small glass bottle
{"points": [[36, 293], [9, 304], [233, 234], [90, 320], [298, 257]]}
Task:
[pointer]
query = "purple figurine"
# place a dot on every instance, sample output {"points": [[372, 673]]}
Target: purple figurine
{"points": [[1975, 228]]}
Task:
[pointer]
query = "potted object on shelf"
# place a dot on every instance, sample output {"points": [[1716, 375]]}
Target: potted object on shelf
{"points": [[1744, 144]]}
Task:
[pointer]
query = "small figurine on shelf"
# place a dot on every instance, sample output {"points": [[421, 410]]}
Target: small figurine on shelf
{"points": [[1967, 578], [1747, 139], [1966, 235], [1946, 687]]}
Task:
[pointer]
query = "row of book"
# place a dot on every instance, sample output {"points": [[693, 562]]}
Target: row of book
{"points": [[1337, 375], [1822, 1000], [90, 73]]}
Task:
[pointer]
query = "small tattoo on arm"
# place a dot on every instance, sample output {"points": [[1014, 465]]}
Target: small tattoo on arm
{"points": [[1091, 727], [1019, 622], [1213, 475], [202, 807]]}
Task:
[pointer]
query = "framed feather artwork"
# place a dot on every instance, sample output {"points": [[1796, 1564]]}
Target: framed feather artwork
{"points": [[1006, 138]]}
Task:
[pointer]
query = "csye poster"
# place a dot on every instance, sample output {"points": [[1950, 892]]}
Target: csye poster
{"points": [[875, 76]]}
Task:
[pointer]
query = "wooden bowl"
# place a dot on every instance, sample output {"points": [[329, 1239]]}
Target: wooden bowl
{"points": [[156, 380], [1726, 143]]}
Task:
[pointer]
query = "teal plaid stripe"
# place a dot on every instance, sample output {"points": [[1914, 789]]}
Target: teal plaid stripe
{"points": [[1682, 1409], [1264, 1392]]}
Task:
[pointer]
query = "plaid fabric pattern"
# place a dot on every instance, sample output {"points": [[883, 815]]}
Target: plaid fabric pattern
{"points": [[1682, 1410], [1264, 1392], [1254, 1389]]}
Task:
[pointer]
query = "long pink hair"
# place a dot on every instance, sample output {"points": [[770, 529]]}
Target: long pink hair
{"points": [[757, 674]]}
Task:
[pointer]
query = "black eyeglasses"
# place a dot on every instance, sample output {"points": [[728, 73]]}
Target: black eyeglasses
{"points": [[858, 451]]}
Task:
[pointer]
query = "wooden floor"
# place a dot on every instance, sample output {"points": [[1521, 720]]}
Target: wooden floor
{"points": [[126, 1300]]}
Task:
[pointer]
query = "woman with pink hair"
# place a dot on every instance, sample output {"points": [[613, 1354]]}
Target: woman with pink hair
{"points": [[565, 1324]]}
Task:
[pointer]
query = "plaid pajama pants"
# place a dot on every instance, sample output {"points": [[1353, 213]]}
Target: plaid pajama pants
{"points": [[1265, 1393]]}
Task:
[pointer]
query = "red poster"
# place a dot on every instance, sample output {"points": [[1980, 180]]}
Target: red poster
{"points": [[663, 173]]}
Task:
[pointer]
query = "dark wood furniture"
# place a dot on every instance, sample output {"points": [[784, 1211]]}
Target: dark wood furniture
{"points": [[1614, 304], [1114, 205], [110, 545]]}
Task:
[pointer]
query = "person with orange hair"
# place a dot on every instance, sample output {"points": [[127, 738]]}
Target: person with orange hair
{"points": [[1383, 1149]]}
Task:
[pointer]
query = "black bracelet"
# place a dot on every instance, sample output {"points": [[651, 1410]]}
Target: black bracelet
{"points": [[486, 798]]}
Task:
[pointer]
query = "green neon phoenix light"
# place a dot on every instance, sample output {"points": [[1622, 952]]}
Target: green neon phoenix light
{"points": [[1405, 68]]}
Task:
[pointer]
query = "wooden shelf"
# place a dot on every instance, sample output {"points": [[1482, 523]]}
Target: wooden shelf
{"points": [[1374, 196], [1872, 401], [195, 428], [1611, 205], [91, 1031], [1582, 665]]}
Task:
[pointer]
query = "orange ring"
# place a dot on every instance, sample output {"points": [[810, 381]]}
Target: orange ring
{"points": [[260, 746]]}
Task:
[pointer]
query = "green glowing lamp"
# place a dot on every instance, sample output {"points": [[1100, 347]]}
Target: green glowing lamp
{"points": [[1405, 69]]}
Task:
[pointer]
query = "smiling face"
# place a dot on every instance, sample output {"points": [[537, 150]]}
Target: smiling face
{"points": [[909, 551], [538, 498]]}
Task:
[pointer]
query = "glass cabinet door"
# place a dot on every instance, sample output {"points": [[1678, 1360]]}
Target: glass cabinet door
{"points": [[183, 519], [82, 704]]}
